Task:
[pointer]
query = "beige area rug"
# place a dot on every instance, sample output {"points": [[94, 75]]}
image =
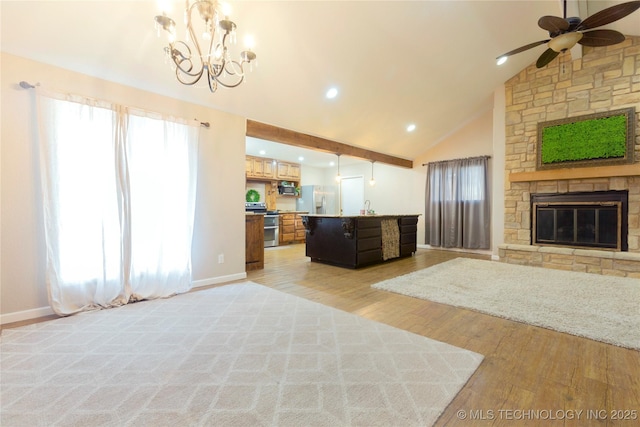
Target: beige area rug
{"points": [[602, 308], [239, 355]]}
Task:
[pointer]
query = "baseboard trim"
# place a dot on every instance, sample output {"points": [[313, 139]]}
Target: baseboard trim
{"points": [[217, 280], [470, 251], [19, 316], [35, 313]]}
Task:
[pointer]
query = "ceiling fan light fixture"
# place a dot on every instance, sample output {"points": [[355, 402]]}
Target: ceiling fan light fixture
{"points": [[565, 32], [565, 41]]}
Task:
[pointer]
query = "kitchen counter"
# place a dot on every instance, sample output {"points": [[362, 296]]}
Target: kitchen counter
{"points": [[355, 241]]}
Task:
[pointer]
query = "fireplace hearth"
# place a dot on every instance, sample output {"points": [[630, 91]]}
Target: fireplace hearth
{"points": [[589, 220]]}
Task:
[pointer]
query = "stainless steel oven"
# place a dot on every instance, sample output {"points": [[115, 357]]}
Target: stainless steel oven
{"points": [[271, 222]]}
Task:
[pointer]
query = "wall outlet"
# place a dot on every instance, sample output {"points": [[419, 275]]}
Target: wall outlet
{"points": [[220, 258]]}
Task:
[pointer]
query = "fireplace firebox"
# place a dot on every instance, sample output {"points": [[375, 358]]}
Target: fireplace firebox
{"points": [[589, 220]]}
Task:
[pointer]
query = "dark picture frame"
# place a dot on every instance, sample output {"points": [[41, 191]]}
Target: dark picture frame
{"points": [[575, 137]]}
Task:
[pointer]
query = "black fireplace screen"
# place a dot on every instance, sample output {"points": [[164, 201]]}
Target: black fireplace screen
{"points": [[595, 220]]}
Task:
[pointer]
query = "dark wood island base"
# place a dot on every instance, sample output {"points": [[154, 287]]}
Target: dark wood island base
{"points": [[357, 241]]}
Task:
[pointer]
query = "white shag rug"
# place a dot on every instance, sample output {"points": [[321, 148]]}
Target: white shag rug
{"points": [[236, 355], [603, 308]]}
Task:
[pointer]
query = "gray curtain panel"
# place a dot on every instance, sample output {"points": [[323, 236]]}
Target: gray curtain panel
{"points": [[457, 210]]}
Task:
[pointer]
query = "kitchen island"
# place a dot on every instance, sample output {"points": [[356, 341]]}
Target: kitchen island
{"points": [[359, 240]]}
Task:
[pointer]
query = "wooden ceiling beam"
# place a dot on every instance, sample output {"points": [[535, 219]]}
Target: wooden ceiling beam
{"points": [[285, 136]]}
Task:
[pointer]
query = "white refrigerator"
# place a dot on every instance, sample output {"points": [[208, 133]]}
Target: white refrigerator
{"points": [[318, 199]]}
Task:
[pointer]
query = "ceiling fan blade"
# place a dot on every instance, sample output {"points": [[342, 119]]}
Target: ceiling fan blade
{"points": [[601, 38], [553, 24], [609, 15], [546, 57], [523, 48]]}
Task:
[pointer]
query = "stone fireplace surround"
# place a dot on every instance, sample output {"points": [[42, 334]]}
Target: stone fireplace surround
{"points": [[605, 78]]}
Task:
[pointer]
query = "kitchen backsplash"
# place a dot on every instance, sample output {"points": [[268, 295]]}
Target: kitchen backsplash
{"points": [[286, 203]]}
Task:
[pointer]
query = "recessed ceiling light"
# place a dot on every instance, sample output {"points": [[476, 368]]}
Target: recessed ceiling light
{"points": [[502, 60], [332, 163], [411, 127], [300, 159], [262, 152], [332, 93]]}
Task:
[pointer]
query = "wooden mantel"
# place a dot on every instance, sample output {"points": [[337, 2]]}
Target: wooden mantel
{"points": [[576, 173]]}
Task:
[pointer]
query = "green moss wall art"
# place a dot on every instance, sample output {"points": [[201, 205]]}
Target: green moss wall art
{"points": [[593, 140]]}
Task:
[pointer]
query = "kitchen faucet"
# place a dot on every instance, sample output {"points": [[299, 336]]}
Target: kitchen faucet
{"points": [[367, 207]]}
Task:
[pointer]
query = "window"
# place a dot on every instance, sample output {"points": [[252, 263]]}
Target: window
{"points": [[456, 204], [119, 200]]}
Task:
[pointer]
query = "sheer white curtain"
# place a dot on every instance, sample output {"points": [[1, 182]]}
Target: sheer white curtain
{"points": [[457, 213], [118, 198], [162, 163]]}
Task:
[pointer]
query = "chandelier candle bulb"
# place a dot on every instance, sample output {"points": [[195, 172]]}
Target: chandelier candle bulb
{"points": [[226, 10]]}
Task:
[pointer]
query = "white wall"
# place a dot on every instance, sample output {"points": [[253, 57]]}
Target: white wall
{"points": [[219, 222], [310, 175], [397, 190]]}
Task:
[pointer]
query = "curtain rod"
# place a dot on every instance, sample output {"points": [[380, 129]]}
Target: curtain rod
{"points": [[453, 160], [27, 85]]}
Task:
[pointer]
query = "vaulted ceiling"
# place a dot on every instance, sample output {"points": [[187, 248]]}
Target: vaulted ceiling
{"points": [[431, 63]]}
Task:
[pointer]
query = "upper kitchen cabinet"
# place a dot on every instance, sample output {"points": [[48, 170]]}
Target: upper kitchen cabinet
{"points": [[288, 171], [260, 168]]}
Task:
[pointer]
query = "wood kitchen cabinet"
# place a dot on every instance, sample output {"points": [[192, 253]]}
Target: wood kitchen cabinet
{"points": [[254, 242], [300, 232], [287, 228], [263, 169], [288, 171], [260, 168], [291, 229]]}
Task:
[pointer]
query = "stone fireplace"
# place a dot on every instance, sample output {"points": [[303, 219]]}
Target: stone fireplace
{"points": [[595, 236]]}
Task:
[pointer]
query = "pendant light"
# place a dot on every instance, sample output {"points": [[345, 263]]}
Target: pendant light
{"points": [[372, 181], [338, 177]]}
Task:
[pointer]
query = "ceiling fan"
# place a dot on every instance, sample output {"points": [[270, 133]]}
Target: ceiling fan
{"points": [[565, 32]]}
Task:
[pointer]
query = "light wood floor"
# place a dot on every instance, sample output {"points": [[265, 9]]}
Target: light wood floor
{"points": [[530, 376]]}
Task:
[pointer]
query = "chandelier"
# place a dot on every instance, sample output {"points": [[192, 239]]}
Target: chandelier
{"points": [[205, 51]]}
